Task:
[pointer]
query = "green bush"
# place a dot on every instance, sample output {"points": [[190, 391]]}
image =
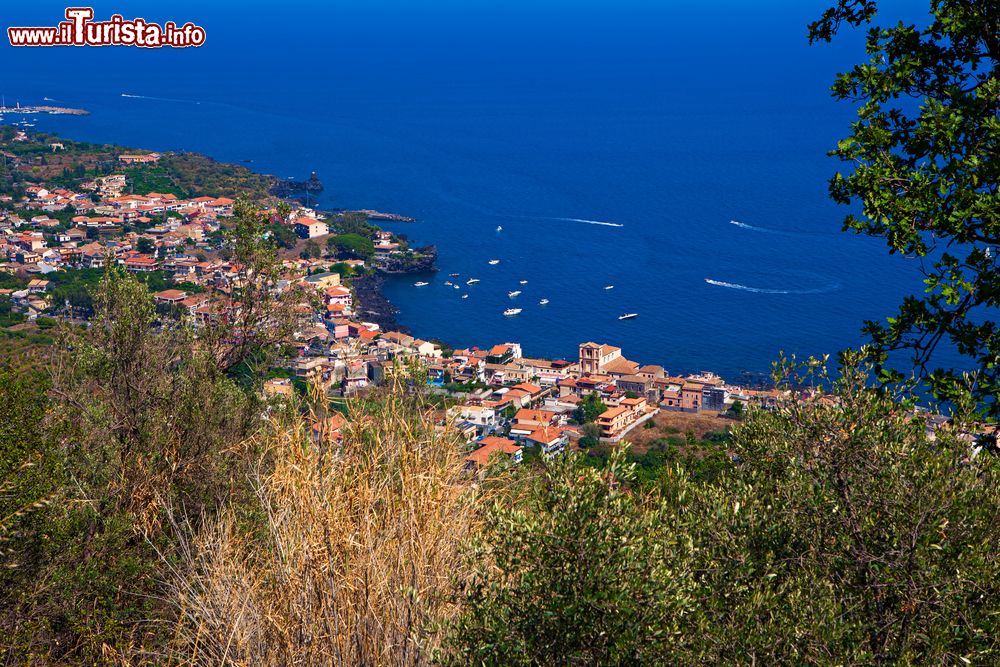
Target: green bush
{"points": [[845, 535]]}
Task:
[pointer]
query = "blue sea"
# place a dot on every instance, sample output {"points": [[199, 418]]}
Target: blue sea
{"points": [[674, 150]]}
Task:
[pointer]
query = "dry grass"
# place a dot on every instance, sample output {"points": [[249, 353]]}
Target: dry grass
{"points": [[358, 556], [670, 423]]}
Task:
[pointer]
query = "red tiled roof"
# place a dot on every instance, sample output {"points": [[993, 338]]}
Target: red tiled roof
{"points": [[492, 445]]}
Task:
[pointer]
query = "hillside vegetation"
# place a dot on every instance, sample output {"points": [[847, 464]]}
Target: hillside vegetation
{"points": [[184, 174], [150, 515]]}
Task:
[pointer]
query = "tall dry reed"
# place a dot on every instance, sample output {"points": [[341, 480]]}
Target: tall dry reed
{"points": [[352, 558]]}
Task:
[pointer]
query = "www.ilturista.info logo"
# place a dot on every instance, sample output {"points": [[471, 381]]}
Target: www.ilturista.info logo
{"points": [[79, 29]]}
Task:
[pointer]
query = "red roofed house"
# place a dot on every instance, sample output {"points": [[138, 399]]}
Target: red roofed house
{"points": [[170, 296], [533, 390], [551, 440], [140, 159], [338, 295], [492, 445], [308, 228], [615, 422], [329, 430], [691, 396], [221, 206], [535, 418], [141, 264]]}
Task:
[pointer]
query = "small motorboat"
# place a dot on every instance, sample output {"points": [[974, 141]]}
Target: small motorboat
{"points": [[511, 312], [609, 287], [524, 282], [472, 281], [514, 293], [628, 316], [493, 262], [543, 302], [499, 228], [456, 287], [421, 284], [453, 275], [465, 296], [448, 283]]}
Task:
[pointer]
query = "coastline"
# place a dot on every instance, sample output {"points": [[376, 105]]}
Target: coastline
{"points": [[374, 305]]}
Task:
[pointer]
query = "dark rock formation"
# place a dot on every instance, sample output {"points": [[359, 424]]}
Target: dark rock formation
{"points": [[372, 305], [292, 188]]}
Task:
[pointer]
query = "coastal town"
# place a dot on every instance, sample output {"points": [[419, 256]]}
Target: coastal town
{"points": [[504, 402]]}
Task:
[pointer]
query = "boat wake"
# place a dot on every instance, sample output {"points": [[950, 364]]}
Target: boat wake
{"points": [[764, 290], [589, 222], [159, 99], [768, 230], [743, 225]]}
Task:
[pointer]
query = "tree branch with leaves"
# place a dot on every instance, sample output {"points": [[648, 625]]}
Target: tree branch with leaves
{"points": [[924, 154]]}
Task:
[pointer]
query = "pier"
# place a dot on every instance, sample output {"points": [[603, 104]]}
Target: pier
{"points": [[378, 215], [44, 109]]}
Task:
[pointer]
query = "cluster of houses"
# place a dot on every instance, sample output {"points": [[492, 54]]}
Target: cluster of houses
{"points": [[144, 233], [41, 243], [506, 402], [514, 402]]}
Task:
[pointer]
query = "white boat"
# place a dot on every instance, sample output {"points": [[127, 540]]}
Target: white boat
{"points": [[514, 293], [512, 311], [627, 316], [456, 286], [524, 282], [493, 262], [499, 228], [448, 283], [453, 275], [543, 302], [472, 281], [421, 284], [465, 296], [609, 287]]}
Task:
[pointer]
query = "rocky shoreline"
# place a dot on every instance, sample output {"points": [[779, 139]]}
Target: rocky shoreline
{"points": [[292, 189], [373, 306]]}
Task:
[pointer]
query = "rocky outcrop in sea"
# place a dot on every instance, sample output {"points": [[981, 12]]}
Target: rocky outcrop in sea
{"points": [[292, 188]]}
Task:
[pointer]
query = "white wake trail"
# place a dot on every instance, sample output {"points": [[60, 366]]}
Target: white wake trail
{"points": [[768, 230], [743, 225], [764, 290], [590, 222], [159, 99]]}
